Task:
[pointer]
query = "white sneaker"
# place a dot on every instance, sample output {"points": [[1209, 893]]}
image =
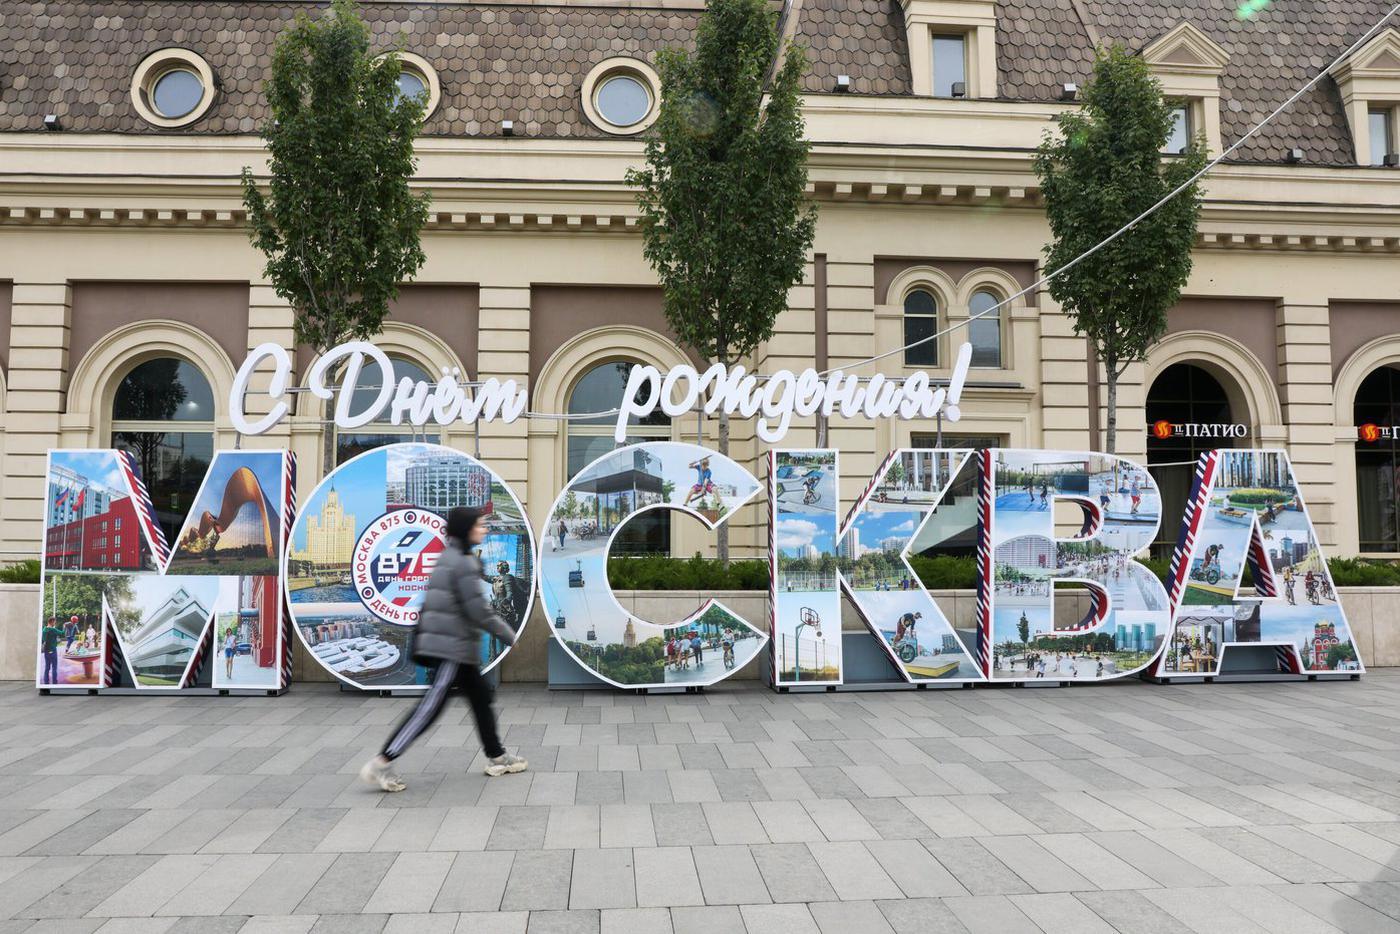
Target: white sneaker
{"points": [[504, 763], [381, 775]]}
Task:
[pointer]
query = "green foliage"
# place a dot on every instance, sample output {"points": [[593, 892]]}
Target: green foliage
{"points": [[659, 572], [724, 218], [21, 572], [1258, 497], [68, 595], [338, 223], [644, 663], [1360, 572], [946, 572], [1341, 652], [1160, 567], [1103, 169], [942, 572]]}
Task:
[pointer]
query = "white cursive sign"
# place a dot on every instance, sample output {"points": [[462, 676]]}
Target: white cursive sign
{"points": [[414, 401], [783, 395]]}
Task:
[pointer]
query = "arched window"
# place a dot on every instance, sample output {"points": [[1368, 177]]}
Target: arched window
{"points": [[163, 413], [1377, 414], [381, 431], [1182, 394], [920, 321], [599, 390], [984, 333]]}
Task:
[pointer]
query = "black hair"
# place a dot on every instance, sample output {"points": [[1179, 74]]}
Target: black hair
{"points": [[460, 520]]}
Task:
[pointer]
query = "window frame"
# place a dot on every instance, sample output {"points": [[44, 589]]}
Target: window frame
{"points": [[206, 427], [605, 427], [155, 67], [611, 68], [1000, 319], [1186, 107], [937, 35], [420, 66], [1388, 115], [939, 315], [401, 433]]}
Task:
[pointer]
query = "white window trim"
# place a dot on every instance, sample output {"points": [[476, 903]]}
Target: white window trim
{"points": [[633, 68], [975, 20], [1188, 64], [155, 66], [408, 61], [1370, 80], [891, 335]]}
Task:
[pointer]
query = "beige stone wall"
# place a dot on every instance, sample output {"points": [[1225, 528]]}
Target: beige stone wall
{"points": [[937, 182]]}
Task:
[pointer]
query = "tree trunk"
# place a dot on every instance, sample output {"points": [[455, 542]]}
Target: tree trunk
{"points": [[1112, 433], [328, 438], [722, 536]]}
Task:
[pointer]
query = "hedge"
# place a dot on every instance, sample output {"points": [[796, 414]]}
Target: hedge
{"points": [[944, 572], [23, 572]]}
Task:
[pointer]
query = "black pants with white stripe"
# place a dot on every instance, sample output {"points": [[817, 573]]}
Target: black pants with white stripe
{"points": [[478, 693]]}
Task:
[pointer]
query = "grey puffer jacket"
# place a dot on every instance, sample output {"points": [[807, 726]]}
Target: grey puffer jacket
{"points": [[457, 610]]}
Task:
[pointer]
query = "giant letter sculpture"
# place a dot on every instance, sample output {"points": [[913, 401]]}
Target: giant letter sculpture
{"points": [[1126, 616], [1245, 506], [621, 648], [115, 595], [805, 602], [920, 500], [363, 548]]}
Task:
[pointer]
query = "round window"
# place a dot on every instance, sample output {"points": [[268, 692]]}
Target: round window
{"points": [[177, 93], [623, 100], [412, 84]]}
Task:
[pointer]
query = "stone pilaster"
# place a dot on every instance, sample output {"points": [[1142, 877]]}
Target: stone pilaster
{"points": [[851, 326], [503, 351], [1305, 393], [41, 315], [1066, 411]]}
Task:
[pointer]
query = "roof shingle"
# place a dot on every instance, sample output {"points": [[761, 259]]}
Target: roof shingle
{"points": [[527, 63]]}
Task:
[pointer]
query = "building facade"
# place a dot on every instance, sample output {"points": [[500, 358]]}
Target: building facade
{"points": [[129, 293]]}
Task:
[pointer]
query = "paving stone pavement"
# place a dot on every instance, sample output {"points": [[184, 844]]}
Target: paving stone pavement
{"points": [[1122, 807]]}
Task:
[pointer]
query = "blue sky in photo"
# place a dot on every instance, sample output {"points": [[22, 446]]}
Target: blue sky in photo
{"points": [[360, 485], [100, 467], [265, 465], [875, 526], [794, 534]]}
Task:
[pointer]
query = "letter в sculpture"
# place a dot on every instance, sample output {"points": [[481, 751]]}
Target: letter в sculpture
{"points": [[1127, 615]]}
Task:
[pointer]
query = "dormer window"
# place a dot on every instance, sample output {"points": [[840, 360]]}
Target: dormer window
{"points": [[1369, 82], [1188, 64], [949, 66], [1382, 133], [952, 47], [1181, 134]]}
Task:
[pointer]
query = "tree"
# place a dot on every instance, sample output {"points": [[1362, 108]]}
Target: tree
{"points": [[338, 223], [1103, 169], [81, 595], [1023, 629], [723, 216]]}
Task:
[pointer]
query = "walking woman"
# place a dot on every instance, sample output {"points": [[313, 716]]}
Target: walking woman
{"points": [[456, 613]]}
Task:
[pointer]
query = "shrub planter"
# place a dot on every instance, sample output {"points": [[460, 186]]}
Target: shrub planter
{"points": [[1374, 614]]}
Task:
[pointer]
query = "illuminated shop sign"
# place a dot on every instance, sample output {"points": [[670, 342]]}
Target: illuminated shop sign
{"points": [[1164, 430], [1372, 432]]}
